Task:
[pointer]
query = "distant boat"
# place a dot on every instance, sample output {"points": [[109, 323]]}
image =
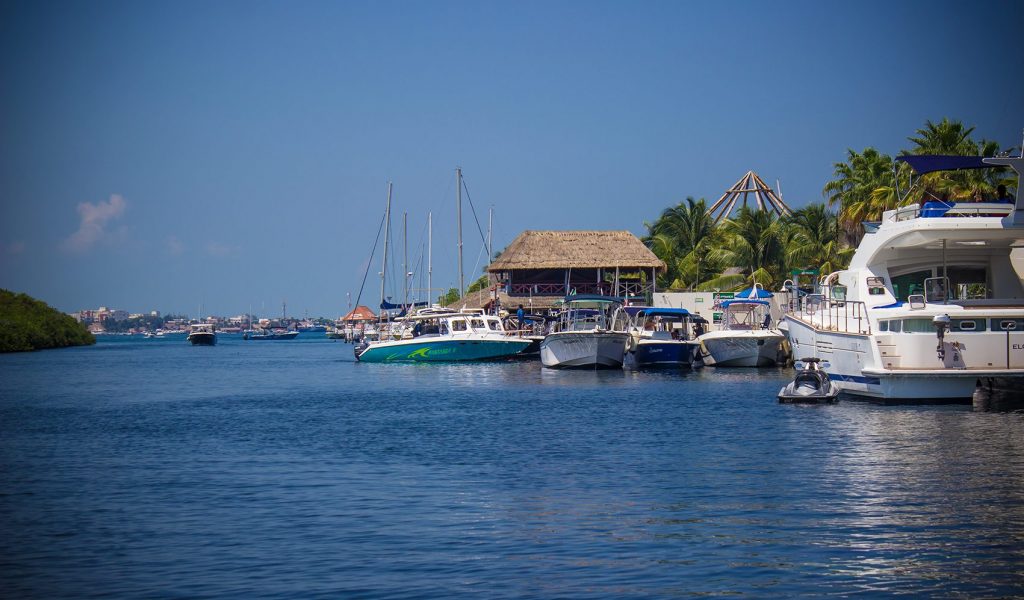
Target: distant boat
{"points": [[202, 334], [269, 334], [591, 334]]}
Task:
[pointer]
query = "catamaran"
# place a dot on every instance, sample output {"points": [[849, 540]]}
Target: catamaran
{"points": [[932, 304]]}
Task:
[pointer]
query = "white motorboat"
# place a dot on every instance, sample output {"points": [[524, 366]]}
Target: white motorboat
{"points": [[433, 335], [591, 334], [745, 339], [932, 304]]}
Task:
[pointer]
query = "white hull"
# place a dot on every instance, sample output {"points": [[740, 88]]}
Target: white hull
{"points": [[584, 349], [905, 368], [732, 348]]}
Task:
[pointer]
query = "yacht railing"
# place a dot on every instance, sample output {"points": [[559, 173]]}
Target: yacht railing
{"points": [[844, 316]]}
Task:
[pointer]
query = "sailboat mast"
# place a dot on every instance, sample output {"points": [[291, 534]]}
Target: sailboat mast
{"points": [[405, 259], [387, 229], [458, 212], [430, 255]]}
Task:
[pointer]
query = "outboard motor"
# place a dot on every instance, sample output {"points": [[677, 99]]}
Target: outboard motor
{"points": [[941, 323]]}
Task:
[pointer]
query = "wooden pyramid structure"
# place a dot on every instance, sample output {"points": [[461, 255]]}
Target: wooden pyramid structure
{"points": [[751, 183]]}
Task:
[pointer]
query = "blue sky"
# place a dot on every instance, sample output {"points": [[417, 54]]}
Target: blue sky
{"points": [[234, 154]]}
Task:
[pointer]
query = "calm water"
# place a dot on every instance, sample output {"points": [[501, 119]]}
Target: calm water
{"points": [[271, 469]]}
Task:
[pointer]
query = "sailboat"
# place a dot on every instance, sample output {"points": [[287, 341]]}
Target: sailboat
{"points": [[432, 334]]}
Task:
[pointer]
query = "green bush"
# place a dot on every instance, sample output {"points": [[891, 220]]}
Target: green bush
{"points": [[28, 324]]}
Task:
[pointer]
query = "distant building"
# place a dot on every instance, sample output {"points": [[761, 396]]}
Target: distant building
{"points": [[541, 267]]}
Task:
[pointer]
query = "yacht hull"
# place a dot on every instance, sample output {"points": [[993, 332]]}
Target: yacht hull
{"points": [[853, 362], [731, 348], [440, 350], [202, 339], [584, 349]]}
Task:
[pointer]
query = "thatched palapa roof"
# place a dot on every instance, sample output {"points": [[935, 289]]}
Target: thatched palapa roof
{"points": [[577, 250]]}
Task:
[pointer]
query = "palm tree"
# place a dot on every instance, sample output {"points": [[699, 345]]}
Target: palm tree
{"points": [[815, 240], [754, 242], [682, 237], [854, 186], [953, 138], [944, 137]]}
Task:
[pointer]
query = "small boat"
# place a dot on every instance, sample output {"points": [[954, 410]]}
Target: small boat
{"points": [[810, 386], [746, 338], [661, 337], [269, 334], [590, 334], [202, 334]]}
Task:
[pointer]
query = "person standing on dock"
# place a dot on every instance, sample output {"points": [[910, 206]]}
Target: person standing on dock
{"points": [[520, 319]]}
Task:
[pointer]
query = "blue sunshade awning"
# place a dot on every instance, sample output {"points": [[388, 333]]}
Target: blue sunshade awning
{"points": [[927, 163]]}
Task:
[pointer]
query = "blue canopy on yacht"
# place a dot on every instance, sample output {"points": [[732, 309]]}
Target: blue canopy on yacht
{"points": [[678, 313], [729, 303], [927, 163], [761, 293]]}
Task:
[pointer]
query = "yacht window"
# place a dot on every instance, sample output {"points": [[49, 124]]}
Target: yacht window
{"points": [[459, 325], [494, 325], [883, 326], [1007, 324], [968, 325], [895, 326], [876, 286], [477, 324], [918, 326], [839, 293]]}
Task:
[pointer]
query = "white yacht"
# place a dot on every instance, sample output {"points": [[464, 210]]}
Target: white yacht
{"points": [[931, 305], [746, 338], [591, 334]]}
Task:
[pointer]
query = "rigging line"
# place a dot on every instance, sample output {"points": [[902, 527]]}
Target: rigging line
{"points": [[369, 261], [472, 208]]}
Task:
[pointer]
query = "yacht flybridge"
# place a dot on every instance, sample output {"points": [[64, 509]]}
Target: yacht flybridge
{"points": [[932, 304]]}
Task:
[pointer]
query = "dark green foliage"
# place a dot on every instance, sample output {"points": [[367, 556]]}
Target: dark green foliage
{"points": [[28, 324]]}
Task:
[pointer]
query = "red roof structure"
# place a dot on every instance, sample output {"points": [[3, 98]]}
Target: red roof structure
{"points": [[360, 313]]}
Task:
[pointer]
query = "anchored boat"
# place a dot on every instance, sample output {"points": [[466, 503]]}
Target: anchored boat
{"points": [[661, 337], [932, 304], [746, 338], [590, 334], [433, 335]]}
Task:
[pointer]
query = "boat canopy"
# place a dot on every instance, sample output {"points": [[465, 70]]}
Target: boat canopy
{"points": [[729, 303], [677, 313], [749, 293], [927, 163]]}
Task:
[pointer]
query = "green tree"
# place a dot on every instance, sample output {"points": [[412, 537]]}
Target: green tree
{"points": [[682, 237], [753, 242], [28, 324], [450, 297], [815, 240]]}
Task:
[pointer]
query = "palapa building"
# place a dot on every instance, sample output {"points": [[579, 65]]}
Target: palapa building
{"points": [[540, 268]]}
